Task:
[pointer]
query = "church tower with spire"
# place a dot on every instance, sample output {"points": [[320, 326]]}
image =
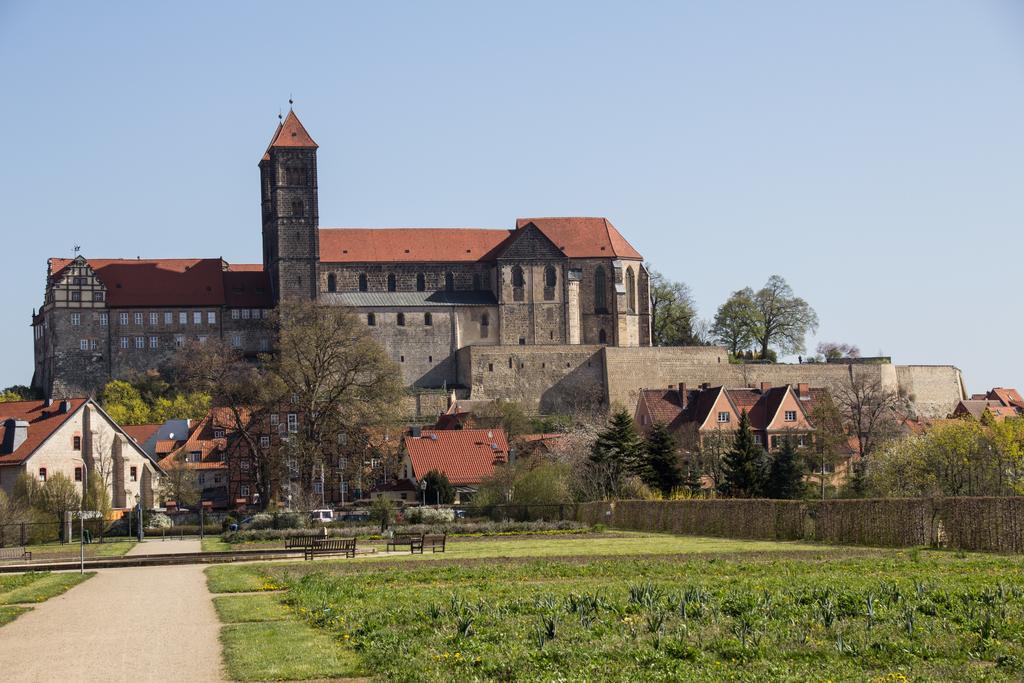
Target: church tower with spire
{"points": [[291, 239]]}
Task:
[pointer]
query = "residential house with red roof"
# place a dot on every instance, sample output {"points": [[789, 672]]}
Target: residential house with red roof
{"points": [[76, 438], [466, 456], [424, 293]]}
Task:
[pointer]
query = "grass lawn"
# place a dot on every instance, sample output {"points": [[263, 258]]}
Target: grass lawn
{"points": [[718, 610], [54, 551], [16, 590]]}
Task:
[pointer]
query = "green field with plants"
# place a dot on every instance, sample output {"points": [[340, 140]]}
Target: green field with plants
{"points": [[749, 611], [19, 591]]}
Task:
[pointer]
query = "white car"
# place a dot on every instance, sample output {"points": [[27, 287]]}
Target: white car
{"points": [[322, 516]]}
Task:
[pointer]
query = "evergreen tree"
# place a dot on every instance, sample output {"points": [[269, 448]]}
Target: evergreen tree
{"points": [[616, 453], [785, 476], [743, 465], [439, 489], [661, 470]]}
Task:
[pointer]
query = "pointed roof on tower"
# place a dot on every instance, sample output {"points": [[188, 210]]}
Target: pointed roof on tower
{"points": [[292, 133]]}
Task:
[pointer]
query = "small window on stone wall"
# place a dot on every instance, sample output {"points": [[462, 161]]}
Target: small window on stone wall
{"points": [[428, 319], [76, 443], [518, 283], [421, 282], [371, 319], [362, 282], [332, 283], [401, 319], [392, 283], [550, 280], [449, 281], [602, 337], [476, 282], [485, 326]]}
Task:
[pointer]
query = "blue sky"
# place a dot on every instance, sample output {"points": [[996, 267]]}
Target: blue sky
{"points": [[869, 152]]}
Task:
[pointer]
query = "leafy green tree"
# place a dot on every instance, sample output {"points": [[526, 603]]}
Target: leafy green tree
{"points": [[662, 470], [785, 474], [381, 511], [782, 319], [58, 496], [17, 392], [672, 312], [507, 415], [734, 322], [439, 489], [743, 466], [616, 453], [124, 403]]}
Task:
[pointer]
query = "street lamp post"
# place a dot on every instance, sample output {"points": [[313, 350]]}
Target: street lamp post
{"points": [[138, 502], [423, 487]]}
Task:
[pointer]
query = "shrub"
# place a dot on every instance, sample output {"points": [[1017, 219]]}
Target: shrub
{"points": [[370, 531], [430, 516], [278, 520], [158, 520]]}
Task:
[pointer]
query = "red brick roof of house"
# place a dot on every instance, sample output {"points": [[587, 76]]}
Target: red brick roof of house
{"points": [[671, 408], [1007, 396], [977, 408], [202, 440], [42, 421], [663, 405], [584, 237], [176, 282], [465, 456]]}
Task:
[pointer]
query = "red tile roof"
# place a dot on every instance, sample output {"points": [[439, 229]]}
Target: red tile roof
{"points": [[663, 405], [430, 245], [584, 237], [1006, 396], [141, 433], [42, 421], [465, 456], [291, 133], [576, 237], [176, 282]]}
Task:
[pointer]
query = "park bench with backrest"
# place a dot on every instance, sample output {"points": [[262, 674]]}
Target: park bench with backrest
{"points": [[435, 542], [301, 542], [15, 553], [331, 546], [413, 542]]}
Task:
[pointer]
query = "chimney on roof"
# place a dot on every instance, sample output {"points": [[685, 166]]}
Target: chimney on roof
{"points": [[15, 433], [705, 386], [47, 403], [416, 431], [65, 407], [803, 390], [682, 394], [765, 387]]}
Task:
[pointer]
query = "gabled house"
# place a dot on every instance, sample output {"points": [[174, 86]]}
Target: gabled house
{"points": [[466, 456], [693, 415], [77, 438]]}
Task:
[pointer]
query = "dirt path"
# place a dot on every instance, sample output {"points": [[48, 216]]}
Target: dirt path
{"points": [[131, 624], [158, 547]]}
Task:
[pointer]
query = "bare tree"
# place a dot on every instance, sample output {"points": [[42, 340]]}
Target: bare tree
{"points": [[180, 483], [869, 409]]}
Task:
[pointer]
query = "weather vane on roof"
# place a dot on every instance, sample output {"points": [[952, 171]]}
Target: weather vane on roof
{"points": [[290, 101], [279, 117], [78, 248]]}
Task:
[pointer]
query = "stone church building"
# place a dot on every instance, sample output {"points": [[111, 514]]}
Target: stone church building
{"points": [[425, 293]]}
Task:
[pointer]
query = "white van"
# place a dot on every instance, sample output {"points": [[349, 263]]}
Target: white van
{"points": [[322, 516]]}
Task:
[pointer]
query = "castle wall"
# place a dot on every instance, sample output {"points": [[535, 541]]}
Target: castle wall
{"points": [[424, 353], [934, 389], [549, 379]]}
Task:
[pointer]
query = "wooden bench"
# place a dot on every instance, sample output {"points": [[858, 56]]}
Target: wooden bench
{"points": [[293, 542], [435, 542], [410, 541], [331, 546], [15, 553]]}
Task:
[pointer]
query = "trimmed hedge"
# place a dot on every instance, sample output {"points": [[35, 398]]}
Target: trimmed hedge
{"points": [[372, 531], [992, 524]]}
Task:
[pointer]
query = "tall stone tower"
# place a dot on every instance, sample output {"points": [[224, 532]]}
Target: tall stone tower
{"points": [[291, 236]]}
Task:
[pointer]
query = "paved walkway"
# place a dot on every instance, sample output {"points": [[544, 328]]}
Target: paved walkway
{"points": [[131, 624], [158, 547]]}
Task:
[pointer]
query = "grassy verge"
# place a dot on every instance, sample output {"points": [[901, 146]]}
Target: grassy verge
{"points": [[37, 586], [214, 544], [741, 611], [9, 614], [55, 551]]}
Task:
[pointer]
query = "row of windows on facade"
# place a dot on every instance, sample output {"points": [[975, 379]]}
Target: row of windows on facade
{"points": [[724, 417], [133, 473], [428, 321], [154, 342], [140, 317]]}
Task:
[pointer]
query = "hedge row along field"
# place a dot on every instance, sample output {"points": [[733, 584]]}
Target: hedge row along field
{"points": [[989, 524]]}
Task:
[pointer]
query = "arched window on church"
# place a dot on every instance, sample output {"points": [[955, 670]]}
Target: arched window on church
{"points": [[518, 283], [298, 208], [421, 282], [371, 319], [392, 283], [332, 283], [602, 337], [428, 319], [485, 326], [550, 280], [449, 281], [401, 319], [600, 291], [362, 282], [630, 291], [476, 282]]}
